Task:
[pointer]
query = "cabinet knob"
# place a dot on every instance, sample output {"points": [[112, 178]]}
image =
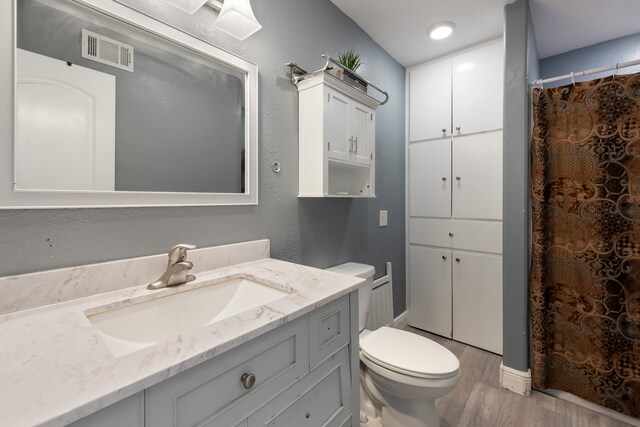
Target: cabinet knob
{"points": [[248, 380], [444, 257], [458, 178], [444, 131], [450, 234], [457, 259], [458, 129], [444, 178]]}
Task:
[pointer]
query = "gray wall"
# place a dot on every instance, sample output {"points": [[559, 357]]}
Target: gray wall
{"points": [[316, 232], [173, 114], [521, 66], [603, 54]]}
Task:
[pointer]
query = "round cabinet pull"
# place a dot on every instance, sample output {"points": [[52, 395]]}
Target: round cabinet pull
{"points": [[444, 257], [458, 178], [444, 130], [444, 178], [450, 234], [248, 380], [458, 128], [457, 259]]}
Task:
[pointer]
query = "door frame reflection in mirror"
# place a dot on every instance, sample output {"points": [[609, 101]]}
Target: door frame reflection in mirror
{"points": [[12, 198]]}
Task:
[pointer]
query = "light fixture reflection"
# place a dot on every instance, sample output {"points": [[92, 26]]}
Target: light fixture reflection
{"points": [[237, 19], [189, 6], [441, 30]]}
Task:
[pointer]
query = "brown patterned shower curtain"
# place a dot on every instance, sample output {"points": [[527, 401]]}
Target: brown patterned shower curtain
{"points": [[585, 276]]}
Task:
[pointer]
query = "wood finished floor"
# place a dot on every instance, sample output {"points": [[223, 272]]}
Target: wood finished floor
{"points": [[479, 401]]}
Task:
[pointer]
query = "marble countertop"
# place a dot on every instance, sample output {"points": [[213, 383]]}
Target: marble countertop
{"points": [[55, 368]]}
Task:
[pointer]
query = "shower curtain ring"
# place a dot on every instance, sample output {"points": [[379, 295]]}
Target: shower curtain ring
{"points": [[615, 71], [573, 78]]}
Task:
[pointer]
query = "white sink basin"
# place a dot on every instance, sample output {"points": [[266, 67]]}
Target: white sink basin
{"points": [[127, 329]]}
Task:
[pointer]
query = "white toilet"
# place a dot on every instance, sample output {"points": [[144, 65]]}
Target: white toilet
{"points": [[401, 373]]}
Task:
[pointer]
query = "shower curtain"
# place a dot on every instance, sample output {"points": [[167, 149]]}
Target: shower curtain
{"points": [[585, 274]]}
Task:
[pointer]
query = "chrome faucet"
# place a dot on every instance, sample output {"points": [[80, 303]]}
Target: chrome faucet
{"points": [[178, 268]]}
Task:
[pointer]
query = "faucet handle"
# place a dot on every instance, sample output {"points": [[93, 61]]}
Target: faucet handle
{"points": [[178, 253]]}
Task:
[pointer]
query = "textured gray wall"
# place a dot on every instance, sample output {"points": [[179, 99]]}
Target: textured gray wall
{"points": [[603, 54], [520, 67], [315, 232], [172, 114]]}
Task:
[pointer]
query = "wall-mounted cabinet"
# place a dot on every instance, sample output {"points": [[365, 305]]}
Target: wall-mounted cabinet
{"points": [[336, 139]]}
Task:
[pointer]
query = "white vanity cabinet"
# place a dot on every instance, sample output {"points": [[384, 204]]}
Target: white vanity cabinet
{"points": [[455, 196], [336, 139], [303, 373]]}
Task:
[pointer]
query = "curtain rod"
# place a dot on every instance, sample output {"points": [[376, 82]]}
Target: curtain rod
{"points": [[586, 73]]}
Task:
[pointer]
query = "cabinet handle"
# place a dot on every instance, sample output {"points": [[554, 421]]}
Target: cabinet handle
{"points": [[351, 145], [458, 178], [444, 178], [355, 140], [450, 234], [457, 259], [444, 257], [248, 380]]}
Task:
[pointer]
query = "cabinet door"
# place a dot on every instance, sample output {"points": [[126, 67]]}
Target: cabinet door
{"points": [[430, 101], [322, 398], [336, 126], [430, 179], [477, 89], [430, 289], [477, 172], [128, 412], [477, 300], [361, 133]]}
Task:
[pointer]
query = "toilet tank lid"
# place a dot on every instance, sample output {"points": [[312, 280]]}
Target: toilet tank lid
{"points": [[354, 269]]}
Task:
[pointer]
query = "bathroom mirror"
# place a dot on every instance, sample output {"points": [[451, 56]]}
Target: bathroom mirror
{"points": [[114, 108]]}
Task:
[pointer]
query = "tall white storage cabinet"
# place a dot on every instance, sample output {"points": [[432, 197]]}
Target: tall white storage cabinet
{"points": [[455, 196], [337, 139]]}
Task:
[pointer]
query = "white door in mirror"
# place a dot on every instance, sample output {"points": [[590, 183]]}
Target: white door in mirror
{"points": [[65, 126]]}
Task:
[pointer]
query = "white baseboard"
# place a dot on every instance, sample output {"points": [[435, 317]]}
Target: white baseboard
{"points": [[515, 381], [401, 321]]}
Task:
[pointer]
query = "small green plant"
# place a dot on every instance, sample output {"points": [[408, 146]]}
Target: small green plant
{"points": [[350, 59]]}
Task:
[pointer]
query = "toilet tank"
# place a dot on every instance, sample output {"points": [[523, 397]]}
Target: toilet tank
{"points": [[364, 292]]}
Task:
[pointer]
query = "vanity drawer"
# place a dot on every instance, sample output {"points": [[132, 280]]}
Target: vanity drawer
{"points": [[322, 398], [197, 395], [483, 236], [328, 329]]}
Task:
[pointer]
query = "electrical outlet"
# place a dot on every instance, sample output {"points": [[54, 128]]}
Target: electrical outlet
{"points": [[383, 218]]}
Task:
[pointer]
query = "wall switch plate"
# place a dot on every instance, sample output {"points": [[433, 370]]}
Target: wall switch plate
{"points": [[383, 218]]}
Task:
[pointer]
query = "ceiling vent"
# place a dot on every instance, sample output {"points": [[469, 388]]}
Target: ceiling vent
{"points": [[102, 49]]}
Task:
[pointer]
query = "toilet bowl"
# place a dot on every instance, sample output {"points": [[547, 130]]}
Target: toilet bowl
{"points": [[401, 373]]}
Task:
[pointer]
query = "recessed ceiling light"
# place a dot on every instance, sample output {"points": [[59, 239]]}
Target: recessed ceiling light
{"points": [[441, 30]]}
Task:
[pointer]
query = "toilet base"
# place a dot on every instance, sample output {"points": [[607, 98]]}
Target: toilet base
{"points": [[413, 408]]}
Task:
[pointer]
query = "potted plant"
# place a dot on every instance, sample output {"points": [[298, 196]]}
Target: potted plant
{"points": [[351, 60]]}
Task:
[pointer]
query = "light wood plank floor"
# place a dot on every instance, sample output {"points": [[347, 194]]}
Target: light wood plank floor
{"points": [[479, 401]]}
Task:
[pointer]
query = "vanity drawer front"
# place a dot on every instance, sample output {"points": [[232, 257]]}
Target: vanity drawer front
{"points": [[322, 398], [328, 329], [193, 397]]}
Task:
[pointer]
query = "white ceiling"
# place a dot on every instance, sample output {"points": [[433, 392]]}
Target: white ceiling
{"points": [[400, 26]]}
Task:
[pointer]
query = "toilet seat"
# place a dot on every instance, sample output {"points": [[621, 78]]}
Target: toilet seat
{"points": [[408, 354]]}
